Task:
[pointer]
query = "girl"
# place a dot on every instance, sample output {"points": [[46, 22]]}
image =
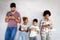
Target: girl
{"points": [[46, 25], [23, 29]]}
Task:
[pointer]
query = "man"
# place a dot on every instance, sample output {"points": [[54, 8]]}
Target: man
{"points": [[12, 18]]}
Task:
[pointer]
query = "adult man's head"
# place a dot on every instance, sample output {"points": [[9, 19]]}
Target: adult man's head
{"points": [[13, 7]]}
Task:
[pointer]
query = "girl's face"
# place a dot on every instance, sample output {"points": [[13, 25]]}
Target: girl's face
{"points": [[46, 16], [26, 21]]}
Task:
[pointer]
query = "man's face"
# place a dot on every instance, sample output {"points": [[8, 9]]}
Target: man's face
{"points": [[13, 9]]}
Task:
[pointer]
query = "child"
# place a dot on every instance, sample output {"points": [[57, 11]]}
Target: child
{"points": [[46, 26], [34, 30], [23, 29]]}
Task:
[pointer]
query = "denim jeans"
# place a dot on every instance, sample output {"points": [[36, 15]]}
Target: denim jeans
{"points": [[22, 36], [10, 33]]}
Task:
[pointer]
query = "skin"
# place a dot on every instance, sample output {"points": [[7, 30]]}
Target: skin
{"points": [[13, 10]]}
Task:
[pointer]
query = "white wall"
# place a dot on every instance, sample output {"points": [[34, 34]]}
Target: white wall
{"points": [[32, 9]]}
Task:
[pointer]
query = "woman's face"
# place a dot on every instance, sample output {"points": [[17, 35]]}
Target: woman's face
{"points": [[46, 16]]}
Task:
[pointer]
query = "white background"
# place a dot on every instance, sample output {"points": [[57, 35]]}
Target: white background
{"points": [[32, 9]]}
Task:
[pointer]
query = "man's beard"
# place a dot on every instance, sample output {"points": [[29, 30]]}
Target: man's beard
{"points": [[12, 10]]}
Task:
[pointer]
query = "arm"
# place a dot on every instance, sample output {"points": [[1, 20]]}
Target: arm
{"points": [[18, 20], [37, 31], [28, 29], [6, 19], [20, 28], [41, 27], [50, 26]]}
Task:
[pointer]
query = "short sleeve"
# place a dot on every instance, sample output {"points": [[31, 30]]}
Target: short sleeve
{"points": [[19, 15], [7, 14], [41, 23]]}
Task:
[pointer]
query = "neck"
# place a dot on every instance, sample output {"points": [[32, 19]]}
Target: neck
{"points": [[13, 12], [25, 23], [35, 25], [46, 19]]}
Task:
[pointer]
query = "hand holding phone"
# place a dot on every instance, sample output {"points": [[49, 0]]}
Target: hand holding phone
{"points": [[13, 17]]}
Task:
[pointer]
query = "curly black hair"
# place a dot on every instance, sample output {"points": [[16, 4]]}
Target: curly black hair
{"points": [[46, 12], [12, 5]]}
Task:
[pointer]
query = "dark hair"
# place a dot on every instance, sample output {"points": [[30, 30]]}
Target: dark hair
{"points": [[24, 18], [12, 5], [47, 12], [35, 20]]}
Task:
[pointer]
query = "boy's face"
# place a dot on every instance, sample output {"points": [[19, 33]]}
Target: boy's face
{"points": [[26, 21], [35, 23], [13, 9], [46, 16]]}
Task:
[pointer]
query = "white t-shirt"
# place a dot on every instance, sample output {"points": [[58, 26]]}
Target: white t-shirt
{"points": [[24, 27], [44, 22], [33, 33]]}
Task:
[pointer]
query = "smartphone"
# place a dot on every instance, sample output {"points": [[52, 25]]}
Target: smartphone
{"points": [[10, 15]]}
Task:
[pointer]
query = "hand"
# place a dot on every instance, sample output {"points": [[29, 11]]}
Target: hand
{"points": [[47, 26], [42, 27], [32, 28], [9, 17], [50, 27], [13, 17]]}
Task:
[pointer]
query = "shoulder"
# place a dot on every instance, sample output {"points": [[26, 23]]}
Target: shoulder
{"points": [[8, 13], [17, 12]]}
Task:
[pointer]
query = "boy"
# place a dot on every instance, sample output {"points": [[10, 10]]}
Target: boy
{"points": [[46, 26], [12, 18], [23, 29], [34, 30]]}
